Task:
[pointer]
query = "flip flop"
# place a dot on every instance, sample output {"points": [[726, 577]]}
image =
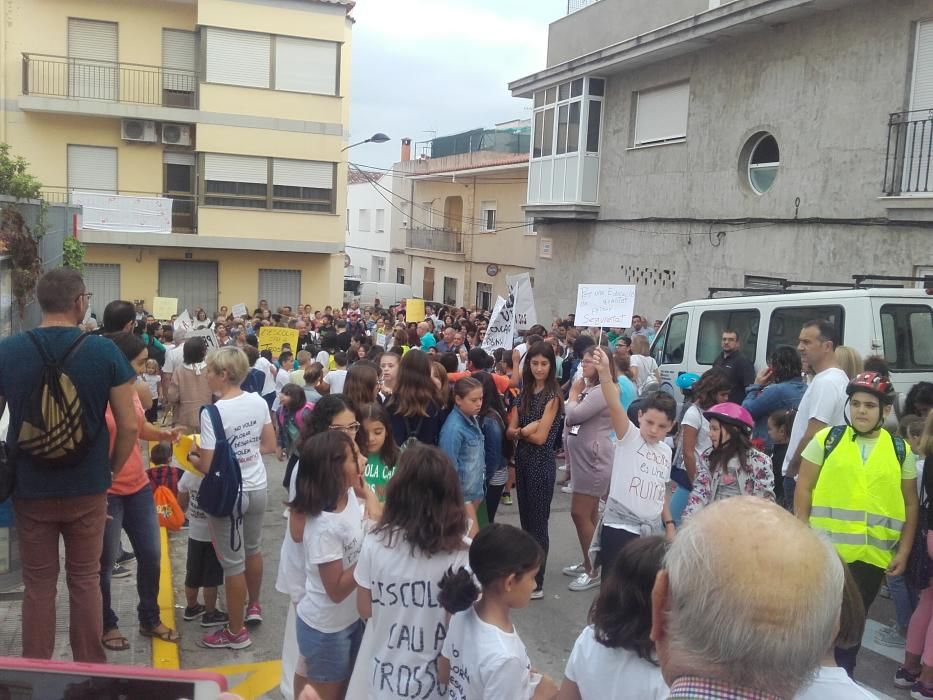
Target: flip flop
{"points": [[118, 643], [169, 635]]}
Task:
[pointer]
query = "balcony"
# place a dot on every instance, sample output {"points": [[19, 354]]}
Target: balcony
{"points": [[435, 240], [128, 83], [908, 166], [139, 212]]}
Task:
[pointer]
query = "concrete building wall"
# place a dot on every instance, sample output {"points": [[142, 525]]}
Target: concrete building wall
{"points": [[363, 245]]}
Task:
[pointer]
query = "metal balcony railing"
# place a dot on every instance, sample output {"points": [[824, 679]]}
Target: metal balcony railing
{"points": [[88, 79], [437, 240], [184, 206], [908, 167]]}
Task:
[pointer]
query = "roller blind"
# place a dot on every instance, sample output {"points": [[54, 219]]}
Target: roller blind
{"points": [[661, 114], [921, 95], [90, 39], [238, 58], [179, 60], [280, 287], [92, 168], [176, 158], [303, 173], [306, 65], [230, 168]]}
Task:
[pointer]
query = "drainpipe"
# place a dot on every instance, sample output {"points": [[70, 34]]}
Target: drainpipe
{"points": [[468, 248]]}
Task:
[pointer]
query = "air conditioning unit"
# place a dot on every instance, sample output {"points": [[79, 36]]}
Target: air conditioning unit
{"points": [[138, 130], [176, 134]]}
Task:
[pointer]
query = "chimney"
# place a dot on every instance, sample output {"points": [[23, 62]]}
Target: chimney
{"points": [[406, 149]]}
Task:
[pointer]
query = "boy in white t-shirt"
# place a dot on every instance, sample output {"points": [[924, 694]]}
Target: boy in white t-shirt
{"points": [[336, 378]]}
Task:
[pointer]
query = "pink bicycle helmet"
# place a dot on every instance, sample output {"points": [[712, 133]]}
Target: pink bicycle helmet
{"points": [[731, 413]]}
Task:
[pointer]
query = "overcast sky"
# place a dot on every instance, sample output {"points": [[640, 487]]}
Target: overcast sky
{"points": [[441, 65]]}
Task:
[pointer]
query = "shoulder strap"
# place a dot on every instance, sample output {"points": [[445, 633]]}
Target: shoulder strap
{"points": [[79, 341], [835, 435], [47, 357], [216, 422], [899, 449]]}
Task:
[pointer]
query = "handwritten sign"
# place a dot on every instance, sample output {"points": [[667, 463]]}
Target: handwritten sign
{"points": [[414, 310], [208, 335], [501, 327], [610, 305], [163, 308], [239, 311], [523, 300], [183, 322], [272, 338]]}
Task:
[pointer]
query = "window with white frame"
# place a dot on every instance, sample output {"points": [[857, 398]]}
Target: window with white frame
{"points": [[484, 296], [661, 114], [380, 220], [426, 215], [268, 183], [364, 220], [400, 275], [529, 229], [488, 215], [364, 275]]}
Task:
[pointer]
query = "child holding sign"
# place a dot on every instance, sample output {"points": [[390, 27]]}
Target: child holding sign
{"points": [[638, 500]]}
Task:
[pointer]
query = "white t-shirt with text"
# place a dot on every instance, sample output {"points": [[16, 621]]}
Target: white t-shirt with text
{"points": [[825, 400], [640, 472], [243, 419], [197, 519], [594, 668]]}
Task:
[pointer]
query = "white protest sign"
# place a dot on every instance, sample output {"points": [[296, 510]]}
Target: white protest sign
{"points": [[208, 335], [183, 322], [523, 301], [239, 311], [610, 305], [381, 340], [501, 327]]}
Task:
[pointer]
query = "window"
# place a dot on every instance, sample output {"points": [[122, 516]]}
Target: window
{"points": [[764, 159], [280, 287], [303, 185], [400, 275], [426, 215], [488, 210], [364, 220], [92, 168], [907, 332], [236, 181], [565, 105], [661, 115], [179, 67], [238, 58], [450, 290], [484, 296], [306, 65], [669, 345], [592, 126], [92, 52], [243, 181], [786, 322], [379, 268], [529, 229], [713, 323], [380, 220], [364, 274]]}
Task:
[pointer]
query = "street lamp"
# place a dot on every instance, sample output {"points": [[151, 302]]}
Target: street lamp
{"points": [[378, 137]]}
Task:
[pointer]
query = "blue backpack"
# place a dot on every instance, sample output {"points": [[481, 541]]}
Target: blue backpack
{"points": [[255, 380], [221, 491]]}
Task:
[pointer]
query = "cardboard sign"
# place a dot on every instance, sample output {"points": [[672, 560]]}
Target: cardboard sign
{"points": [[414, 310], [185, 444], [381, 340], [501, 327], [239, 311], [208, 335], [610, 305], [272, 338], [163, 308], [523, 301], [183, 322]]}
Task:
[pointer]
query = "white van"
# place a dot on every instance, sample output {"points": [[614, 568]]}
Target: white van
{"points": [[895, 323], [388, 293]]}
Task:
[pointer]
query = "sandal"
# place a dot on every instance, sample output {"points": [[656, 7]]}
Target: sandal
{"points": [[166, 635], [115, 643]]}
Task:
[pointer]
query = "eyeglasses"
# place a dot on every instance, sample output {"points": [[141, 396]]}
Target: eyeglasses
{"points": [[86, 295], [352, 428]]}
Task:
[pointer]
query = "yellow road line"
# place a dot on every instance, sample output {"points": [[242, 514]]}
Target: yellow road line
{"points": [[261, 677], [165, 654]]}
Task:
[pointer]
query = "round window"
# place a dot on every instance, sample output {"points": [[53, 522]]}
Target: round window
{"points": [[764, 159]]}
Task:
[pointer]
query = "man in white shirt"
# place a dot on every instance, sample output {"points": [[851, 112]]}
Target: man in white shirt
{"points": [[824, 402]]}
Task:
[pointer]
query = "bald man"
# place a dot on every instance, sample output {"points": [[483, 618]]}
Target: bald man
{"points": [[742, 615]]}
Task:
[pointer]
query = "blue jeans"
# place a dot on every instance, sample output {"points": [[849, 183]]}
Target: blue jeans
{"points": [[790, 485], [678, 502], [137, 516], [904, 600]]}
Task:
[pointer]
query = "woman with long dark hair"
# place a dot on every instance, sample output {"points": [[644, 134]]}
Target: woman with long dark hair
{"points": [[415, 406], [778, 387], [536, 426]]}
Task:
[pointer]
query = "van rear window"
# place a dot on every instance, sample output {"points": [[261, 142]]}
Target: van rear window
{"points": [[712, 324], [786, 322], [907, 333]]}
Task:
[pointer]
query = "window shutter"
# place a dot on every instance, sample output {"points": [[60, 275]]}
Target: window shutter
{"points": [[179, 60], [921, 95], [238, 58], [103, 282], [306, 65], [661, 114], [92, 168], [280, 288], [380, 220], [229, 168], [303, 173], [94, 72], [92, 40], [177, 158]]}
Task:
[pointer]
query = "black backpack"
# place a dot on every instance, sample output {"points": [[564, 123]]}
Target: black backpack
{"points": [[54, 429], [837, 431]]}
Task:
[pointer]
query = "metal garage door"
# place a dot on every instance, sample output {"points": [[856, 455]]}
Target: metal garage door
{"points": [[280, 287], [193, 283], [103, 281]]}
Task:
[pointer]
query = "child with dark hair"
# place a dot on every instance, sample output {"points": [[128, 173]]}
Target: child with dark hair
{"points": [[293, 412], [381, 451], [422, 534], [490, 659], [161, 472], [616, 650], [462, 439], [780, 424]]}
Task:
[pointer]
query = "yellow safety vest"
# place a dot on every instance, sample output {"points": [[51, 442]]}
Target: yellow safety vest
{"points": [[860, 506]]}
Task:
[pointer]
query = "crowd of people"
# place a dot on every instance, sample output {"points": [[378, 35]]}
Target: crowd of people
{"points": [[401, 439]]}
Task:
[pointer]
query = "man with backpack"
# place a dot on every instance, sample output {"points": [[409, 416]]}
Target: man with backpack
{"points": [[57, 383]]}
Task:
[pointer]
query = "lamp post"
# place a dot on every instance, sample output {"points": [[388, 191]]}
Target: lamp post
{"points": [[378, 137]]}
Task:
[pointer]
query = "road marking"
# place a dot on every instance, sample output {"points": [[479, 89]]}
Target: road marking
{"points": [[261, 677], [165, 654], [868, 641]]}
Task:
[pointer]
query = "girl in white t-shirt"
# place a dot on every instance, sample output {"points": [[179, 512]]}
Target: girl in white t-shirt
{"points": [[420, 537], [483, 656], [615, 650], [332, 495]]}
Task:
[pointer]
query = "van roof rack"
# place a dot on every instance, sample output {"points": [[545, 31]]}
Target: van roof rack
{"points": [[784, 286]]}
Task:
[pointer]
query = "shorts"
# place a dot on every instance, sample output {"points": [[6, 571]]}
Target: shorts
{"points": [[202, 570], [247, 535], [329, 656]]}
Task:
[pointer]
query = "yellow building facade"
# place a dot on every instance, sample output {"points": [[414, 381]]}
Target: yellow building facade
{"points": [[201, 137]]}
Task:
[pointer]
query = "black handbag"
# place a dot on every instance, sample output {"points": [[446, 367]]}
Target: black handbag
{"points": [[7, 473]]}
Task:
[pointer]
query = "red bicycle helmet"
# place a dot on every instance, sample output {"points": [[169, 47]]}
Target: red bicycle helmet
{"points": [[874, 383], [731, 413]]}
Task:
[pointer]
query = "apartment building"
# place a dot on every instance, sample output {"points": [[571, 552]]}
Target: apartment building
{"points": [[464, 230], [372, 253], [202, 139], [691, 144]]}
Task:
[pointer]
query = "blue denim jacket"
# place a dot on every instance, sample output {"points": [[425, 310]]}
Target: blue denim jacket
{"points": [[462, 440], [492, 437], [761, 403]]}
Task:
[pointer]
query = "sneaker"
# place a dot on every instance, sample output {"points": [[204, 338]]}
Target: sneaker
{"points": [[567, 489], [120, 572], [562, 468], [225, 639], [506, 499], [890, 637], [537, 594], [194, 612], [126, 558], [904, 678], [214, 618], [574, 570], [253, 613], [585, 582], [919, 691]]}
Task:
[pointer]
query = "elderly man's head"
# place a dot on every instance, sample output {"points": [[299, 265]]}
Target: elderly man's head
{"points": [[738, 604], [449, 332], [423, 328]]}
